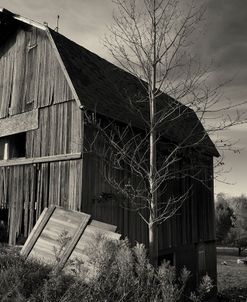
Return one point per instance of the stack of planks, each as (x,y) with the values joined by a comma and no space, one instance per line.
(61,235)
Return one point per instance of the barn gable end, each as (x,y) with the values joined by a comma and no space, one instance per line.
(30,74)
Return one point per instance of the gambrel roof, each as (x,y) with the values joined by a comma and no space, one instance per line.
(101,87)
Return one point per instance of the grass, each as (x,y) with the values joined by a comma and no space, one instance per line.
(232,277)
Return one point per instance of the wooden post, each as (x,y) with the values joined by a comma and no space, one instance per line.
(6,151)
(12,224)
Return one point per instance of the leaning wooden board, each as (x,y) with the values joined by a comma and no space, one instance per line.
(78,227)
(61,221)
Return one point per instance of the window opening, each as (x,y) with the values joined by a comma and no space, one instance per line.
(13,146)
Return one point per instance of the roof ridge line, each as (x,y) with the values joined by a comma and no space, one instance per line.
(23,19)
(30,22)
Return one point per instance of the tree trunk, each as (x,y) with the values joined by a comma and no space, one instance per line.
(153,244)
(153,229)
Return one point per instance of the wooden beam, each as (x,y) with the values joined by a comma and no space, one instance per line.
(36,160)
(36,231)
(19,123)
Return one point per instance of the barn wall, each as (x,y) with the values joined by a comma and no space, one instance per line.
(31,78)
(193,223)
(30,74)
(101,200)
(27,189)
(59,131)
(190,234)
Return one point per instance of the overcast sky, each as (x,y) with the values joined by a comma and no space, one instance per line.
(224,41)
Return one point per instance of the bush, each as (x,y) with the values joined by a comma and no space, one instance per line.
(19,279)
(114,272)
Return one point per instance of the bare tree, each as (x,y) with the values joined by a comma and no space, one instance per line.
(151,40)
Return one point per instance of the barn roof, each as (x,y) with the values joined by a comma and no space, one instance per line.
(104,88)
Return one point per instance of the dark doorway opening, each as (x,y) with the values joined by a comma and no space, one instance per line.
(4,225)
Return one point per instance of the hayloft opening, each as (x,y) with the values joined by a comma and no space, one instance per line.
(13,146)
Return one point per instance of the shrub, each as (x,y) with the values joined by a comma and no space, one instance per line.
(19,279)
(114,271)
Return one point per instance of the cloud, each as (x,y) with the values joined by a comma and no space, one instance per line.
(225,38)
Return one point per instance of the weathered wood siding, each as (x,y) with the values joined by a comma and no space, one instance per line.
(30,74)
(59,131)
(193,223)
(99,199)
(28,189)
(31,78)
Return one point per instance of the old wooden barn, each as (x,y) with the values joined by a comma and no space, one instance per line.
(45,82)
